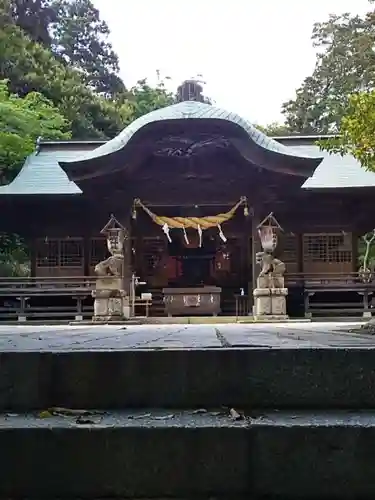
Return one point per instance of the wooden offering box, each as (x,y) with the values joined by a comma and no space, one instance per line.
(192,301)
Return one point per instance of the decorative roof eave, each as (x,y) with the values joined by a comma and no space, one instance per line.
(55,182)
(255,147)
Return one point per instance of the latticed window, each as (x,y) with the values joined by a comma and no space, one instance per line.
(47,254)
(71,253)
(327,248)
(59,253)
(153,251)
(289,248)
(98,251)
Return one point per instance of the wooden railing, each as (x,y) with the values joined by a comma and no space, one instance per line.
(334,294)
(51,298)
(69,298)
(329,280)
(44,284)
(87,283)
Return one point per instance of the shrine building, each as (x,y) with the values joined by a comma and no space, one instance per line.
(191,183)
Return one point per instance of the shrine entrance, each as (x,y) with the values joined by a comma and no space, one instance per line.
(196,256)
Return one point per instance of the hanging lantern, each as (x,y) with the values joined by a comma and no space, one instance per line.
(245,206)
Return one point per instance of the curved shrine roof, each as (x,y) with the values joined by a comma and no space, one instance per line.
(251,143)
(42,175)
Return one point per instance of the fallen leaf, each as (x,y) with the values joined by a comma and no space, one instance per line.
(235,415)
(136,417)
(45,414)
(82,420)
(70,412)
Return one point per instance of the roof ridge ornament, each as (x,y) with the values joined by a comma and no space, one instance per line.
(190,90)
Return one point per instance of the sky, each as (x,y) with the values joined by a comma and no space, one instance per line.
(252,54)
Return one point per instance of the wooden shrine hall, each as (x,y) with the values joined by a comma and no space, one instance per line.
(191,183)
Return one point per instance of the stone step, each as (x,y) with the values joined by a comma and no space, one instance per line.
(275,378)
(166,453)
(128,454)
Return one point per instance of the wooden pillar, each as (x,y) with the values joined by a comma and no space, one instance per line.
(248,254)
(86,254)
(299,237)
(127,249)
(354,242)
(32,244)
(255,247)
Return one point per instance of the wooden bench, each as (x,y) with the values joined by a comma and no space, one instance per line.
(323,308)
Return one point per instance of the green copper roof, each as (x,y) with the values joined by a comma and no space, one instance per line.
(42,174)
(190,110)
(335,171)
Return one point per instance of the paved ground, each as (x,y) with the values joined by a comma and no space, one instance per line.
(68,338)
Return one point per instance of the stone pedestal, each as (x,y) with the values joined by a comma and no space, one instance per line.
(111,301)
(270,298)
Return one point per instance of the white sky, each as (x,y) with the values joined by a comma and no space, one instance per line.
(253,54)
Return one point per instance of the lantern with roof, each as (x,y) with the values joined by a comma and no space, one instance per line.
(268,231)
(115,234)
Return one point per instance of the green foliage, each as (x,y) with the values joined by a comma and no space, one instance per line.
(274,129)
(366,252)
(74,32)
(80,38)
(14,258)
(34,17)
(345,65)
(357,131)
(22,121)
(142,98)
(30,67)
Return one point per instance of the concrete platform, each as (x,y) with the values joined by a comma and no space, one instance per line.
(64,338)
(251,367)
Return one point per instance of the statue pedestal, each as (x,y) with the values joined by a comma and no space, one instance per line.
(270,298)
(111,301)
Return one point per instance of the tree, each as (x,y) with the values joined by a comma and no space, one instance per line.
(29,67)
(80,38)
(22,121)
(142,98)
(274,129)
(34,18)
(74,32)
(357,130)
(345,64)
